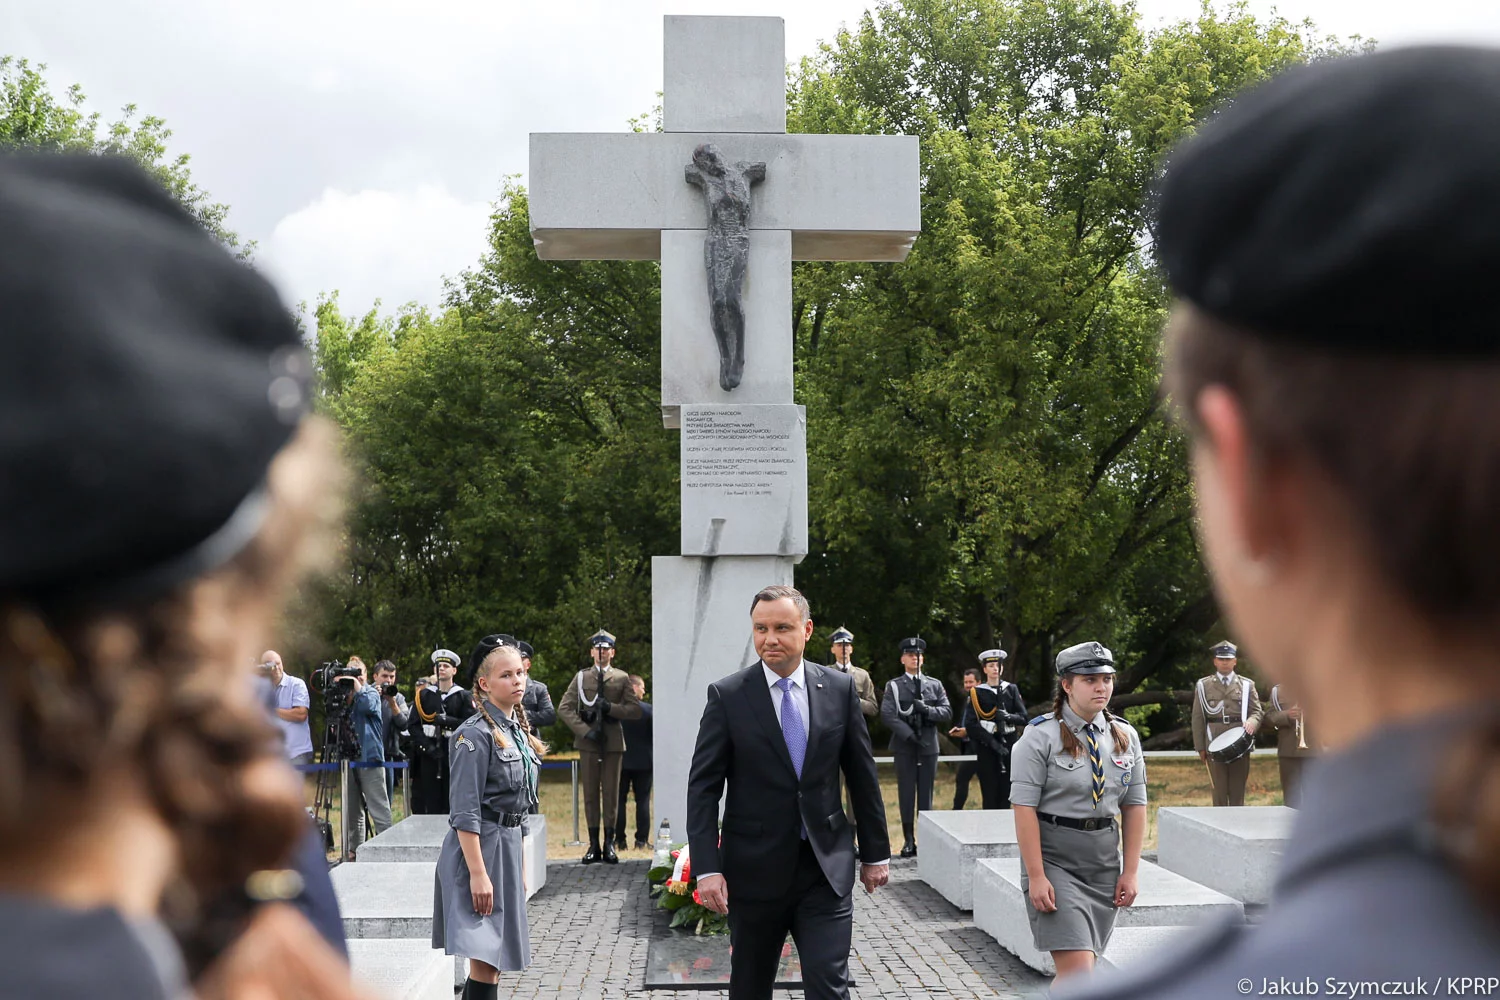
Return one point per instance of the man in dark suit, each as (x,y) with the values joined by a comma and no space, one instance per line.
(635,772)
(785,730)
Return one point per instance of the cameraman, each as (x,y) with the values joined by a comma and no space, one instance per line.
(366,784)
(395,715)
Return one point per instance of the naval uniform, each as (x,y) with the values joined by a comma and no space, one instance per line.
(912,709)
(1290,758)
(1219,704)
(490,790)
(993,718)
(1080,839)
(437,717)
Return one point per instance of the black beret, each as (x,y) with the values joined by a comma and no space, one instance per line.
(147,379)
(525,648)
(1351,205)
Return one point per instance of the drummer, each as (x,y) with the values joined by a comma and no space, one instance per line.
(1226,709)
(1077,775)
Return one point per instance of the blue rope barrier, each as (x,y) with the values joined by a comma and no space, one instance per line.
(392,764)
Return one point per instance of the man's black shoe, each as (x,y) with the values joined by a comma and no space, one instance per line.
(640,845)
(593,856)
(909,850)
(610,857)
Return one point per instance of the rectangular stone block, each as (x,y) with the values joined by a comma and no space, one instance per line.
(1234,849)
(409,969)
(1168,905)
(724,74)
(952,842)
(689,351)
(385,899)
(744,480)
(700,625)
(418,839)
(609,195)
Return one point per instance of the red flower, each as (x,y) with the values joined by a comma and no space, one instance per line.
(675,853)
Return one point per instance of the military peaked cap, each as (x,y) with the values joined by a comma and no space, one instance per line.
(841,635)
(914,645)
(1085,658)
(1224,650)
(445,656)
(1351,205)
(525,648)
(147,379)
(602,638)
(993,654)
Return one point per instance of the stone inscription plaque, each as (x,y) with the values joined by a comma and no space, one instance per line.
(744,480)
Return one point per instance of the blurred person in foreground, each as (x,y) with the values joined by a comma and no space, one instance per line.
(1332,238)
(146,811)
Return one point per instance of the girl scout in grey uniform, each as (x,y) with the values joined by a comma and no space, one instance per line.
(1072,771)
(480,907)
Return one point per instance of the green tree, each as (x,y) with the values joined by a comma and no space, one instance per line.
(33,117)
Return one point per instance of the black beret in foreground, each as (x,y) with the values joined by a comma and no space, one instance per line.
(147,379)
(1351,205)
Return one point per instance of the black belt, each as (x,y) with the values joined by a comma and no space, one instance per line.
(504,819)
(1107,823)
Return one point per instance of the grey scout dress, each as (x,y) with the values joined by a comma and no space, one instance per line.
(490,788)
(1082,865)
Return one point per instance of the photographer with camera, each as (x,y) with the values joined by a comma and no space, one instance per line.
(366,788)
(395,716)
(291,705)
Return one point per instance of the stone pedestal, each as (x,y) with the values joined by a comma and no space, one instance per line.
(1234,849)
(417,839)
(408,969)
(700,631)
(954,841)
(1168,906)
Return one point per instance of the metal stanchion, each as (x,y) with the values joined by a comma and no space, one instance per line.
(343,810)
(406,788)
(575,842)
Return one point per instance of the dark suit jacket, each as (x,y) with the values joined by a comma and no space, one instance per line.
(740,742)
(638,741)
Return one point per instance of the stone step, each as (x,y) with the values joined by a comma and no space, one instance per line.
(401,969)
(1234,849)
(420,838)
(1167,906)
(950,842)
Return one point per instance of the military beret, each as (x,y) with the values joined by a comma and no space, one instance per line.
(1351,205)
(1224,650)
(841,635)
(993,654)
(1085,658)
(147,379)
(525,648)
(602,639)
(445,656)
(914,645)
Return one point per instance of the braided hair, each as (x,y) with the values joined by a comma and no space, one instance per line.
(480,704)
(1070,743)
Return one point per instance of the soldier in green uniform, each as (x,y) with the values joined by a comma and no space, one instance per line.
(1293,747)
(1222,701)
(842,647)
(593,706)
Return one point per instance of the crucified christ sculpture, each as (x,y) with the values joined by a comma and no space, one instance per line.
(726,190)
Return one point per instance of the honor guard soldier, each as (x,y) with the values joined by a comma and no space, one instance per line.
(842,647)
(1226,705)
(538,700)
(440,708)
(1293,748)
(913,708)
(593,706)
(993,715)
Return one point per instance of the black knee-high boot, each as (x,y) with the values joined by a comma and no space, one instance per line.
(475,990)
(593,856)
(610,857)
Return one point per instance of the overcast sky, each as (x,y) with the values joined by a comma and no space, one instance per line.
(361,142)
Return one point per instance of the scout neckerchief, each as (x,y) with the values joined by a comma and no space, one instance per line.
(1096,762)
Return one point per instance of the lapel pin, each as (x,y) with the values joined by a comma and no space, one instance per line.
(820,687)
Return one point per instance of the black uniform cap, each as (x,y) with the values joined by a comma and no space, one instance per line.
(914,645)
(1350,205)
(147,379)
(525,648)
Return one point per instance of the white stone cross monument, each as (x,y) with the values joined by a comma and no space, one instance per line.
(623,196)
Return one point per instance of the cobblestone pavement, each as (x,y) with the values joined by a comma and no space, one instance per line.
(590,928)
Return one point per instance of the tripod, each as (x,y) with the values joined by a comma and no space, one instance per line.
(336,745)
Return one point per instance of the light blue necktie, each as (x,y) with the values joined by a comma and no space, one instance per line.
(792,729)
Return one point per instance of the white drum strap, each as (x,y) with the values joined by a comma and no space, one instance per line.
(1244,700)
